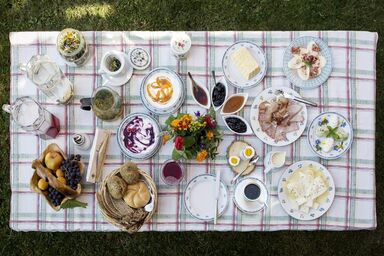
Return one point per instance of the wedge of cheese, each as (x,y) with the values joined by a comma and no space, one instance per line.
(245,63)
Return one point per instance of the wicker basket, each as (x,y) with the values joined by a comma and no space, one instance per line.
(153,190)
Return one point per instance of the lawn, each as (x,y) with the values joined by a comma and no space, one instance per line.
(26,15)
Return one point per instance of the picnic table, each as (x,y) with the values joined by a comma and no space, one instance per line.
(350,91)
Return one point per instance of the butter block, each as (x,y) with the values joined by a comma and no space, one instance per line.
(245,63)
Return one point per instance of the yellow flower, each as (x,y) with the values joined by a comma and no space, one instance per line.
(209,135)
(202,155)
(175,123)
(166,138)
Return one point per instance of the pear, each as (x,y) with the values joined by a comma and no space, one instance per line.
(53,160)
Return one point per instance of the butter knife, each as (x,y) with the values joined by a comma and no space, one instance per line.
(217,192)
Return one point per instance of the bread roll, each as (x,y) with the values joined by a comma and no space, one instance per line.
(137,195)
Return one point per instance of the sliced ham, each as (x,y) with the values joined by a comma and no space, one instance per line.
(277,129)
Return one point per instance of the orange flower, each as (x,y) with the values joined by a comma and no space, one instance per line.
(175,123)
(202,155)
(209,135)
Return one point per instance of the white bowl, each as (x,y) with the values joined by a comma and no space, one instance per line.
(223,82)
(245,95)
(199,83)
(247,132)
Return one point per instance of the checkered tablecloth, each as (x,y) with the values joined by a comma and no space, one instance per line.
(350,91)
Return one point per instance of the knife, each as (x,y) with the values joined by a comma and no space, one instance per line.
(217,192)
(301,100)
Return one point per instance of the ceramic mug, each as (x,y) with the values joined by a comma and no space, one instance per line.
(113,64)
(253,193)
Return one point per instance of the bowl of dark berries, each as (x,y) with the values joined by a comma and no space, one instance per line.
(58,177)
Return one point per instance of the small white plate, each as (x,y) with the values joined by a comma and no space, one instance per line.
(269,94)
(313,139)
(119,80)
(231,72)
(248,206)
(199,197)
(313,213)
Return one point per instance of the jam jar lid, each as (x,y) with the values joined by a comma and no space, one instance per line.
(139,58)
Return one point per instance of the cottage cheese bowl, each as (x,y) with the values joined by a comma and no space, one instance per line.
(138,136)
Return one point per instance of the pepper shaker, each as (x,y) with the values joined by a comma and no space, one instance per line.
(82,141)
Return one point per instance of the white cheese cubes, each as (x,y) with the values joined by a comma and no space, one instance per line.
(245,63)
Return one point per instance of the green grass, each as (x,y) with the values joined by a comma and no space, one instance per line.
(25,15)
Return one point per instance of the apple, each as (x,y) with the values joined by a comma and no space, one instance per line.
(53,160)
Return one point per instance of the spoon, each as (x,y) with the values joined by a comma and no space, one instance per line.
(214,77)
(253,161)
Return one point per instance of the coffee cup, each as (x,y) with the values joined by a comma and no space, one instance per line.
(113,64)
(253,193)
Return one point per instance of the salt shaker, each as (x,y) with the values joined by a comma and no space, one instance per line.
(82,141)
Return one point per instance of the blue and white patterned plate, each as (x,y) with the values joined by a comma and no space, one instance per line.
(313,213)
(176,81)
(292,74)
(199,197)
(152,150)
(269,94)
(340,147)
(232,74)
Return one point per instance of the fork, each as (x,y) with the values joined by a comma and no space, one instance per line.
(301,100)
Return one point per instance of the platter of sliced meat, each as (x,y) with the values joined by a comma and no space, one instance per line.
(277,120)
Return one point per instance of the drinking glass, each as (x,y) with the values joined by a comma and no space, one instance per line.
(72,47)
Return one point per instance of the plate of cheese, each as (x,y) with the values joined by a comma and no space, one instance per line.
(244,64)
(306,190)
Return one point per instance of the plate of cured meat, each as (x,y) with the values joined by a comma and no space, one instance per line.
(278,120)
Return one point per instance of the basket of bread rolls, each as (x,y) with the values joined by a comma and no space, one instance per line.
(127,197)
(57,177)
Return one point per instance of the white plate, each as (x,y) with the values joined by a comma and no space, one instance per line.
(123,78)
(199,197)
(177,98)
(154,148)
(231,72)
(268,94)
(292,74)
(313,213)
(313,139)
(247,206)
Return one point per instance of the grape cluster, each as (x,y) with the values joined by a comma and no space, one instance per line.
(55,196)
(71,169)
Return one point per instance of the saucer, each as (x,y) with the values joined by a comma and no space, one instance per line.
(121,79)
(248,206)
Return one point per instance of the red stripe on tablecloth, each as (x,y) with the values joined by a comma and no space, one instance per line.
(321,101)
(38,142)
(200,45)
(290,219)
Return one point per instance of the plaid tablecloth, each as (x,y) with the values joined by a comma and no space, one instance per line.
(350,91)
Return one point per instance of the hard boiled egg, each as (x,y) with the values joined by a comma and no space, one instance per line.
(326,144)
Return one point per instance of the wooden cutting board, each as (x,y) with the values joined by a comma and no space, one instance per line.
(234,150)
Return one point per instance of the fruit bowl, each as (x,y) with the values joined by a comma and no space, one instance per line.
(51,181)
